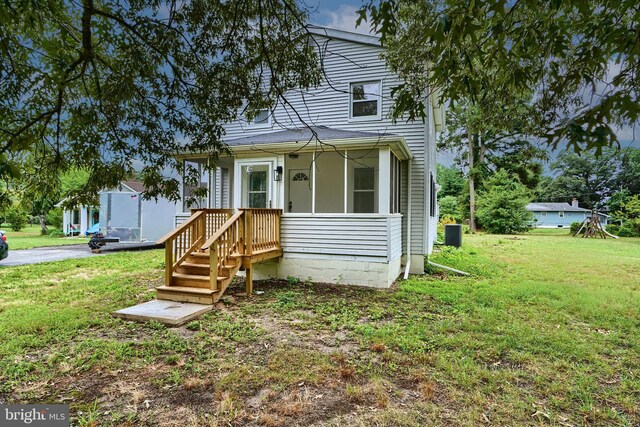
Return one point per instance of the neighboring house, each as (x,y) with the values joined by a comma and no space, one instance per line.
(77,221)
(357,191)
(561,215)
(122,213)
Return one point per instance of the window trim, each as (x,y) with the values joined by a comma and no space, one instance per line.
(267,124)
(378,116)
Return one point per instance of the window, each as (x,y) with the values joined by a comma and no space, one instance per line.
(543,213)
(364,190)
(258,189)
(395,193)
(262,118)
(561,214)
(432,201)
(365,100)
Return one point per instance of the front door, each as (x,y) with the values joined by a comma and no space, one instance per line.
(299,191)
(255,185)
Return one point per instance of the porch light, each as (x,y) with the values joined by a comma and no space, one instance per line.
(277,174)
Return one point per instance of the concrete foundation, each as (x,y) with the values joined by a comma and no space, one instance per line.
(329,270)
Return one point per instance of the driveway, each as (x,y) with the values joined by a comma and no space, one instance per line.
(59,253)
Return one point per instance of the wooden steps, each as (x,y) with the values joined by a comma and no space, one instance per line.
(191,282)
(186,294)
(221,237)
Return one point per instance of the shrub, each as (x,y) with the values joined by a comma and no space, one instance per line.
(56,233)
(575,226)
(448,207)
(17,217)
(502,205)
(612,228)
(444,220)
(54,218)
(630,228)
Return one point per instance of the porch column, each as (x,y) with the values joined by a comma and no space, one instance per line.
(313,183)
(384,179)
(83,219)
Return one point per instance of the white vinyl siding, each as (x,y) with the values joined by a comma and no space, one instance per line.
(347,62)
(359,237)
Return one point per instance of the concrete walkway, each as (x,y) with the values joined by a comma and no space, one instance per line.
(59,253)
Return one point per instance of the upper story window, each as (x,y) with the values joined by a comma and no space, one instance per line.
(365,100)
(262,118)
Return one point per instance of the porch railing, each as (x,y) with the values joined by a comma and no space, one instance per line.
(189,237)
(224,234)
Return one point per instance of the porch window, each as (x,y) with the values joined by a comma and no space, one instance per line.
(395,190)
(362,181)
(329,192)
(195,181)
(363,190)
(365,100)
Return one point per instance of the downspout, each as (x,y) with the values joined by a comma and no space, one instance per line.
(444,267)
(408,266)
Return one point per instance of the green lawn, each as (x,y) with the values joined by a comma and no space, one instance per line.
(545,332)
(30,237)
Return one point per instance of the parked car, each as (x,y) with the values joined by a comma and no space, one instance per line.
(4,246)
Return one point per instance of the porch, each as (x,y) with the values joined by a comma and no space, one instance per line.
(344,200)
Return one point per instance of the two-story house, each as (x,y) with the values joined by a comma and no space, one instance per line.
(348,199)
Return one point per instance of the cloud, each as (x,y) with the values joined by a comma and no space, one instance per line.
(343,18)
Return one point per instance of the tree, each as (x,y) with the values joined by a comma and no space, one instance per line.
(100,85)
(629,177)
(578,57)
(487,137)
(502,205)
(451,181)
(589,178)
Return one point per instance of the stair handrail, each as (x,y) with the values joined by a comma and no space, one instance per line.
(222,230)
(182,241)
(173,233)
(226,240)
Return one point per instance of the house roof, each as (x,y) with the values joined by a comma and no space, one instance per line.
(310,138)
(304,135)
(333,33)
(135,185)
(554,207)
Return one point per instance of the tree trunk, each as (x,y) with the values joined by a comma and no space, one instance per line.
(472,187)
(43,224)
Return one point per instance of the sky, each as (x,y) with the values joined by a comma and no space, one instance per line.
(341,14)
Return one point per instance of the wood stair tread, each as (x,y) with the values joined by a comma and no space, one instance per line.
(186,289)
(196,277)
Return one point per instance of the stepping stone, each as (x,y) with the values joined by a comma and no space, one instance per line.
(168,312)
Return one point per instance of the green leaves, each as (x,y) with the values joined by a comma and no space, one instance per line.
(137,83)
(577,59)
